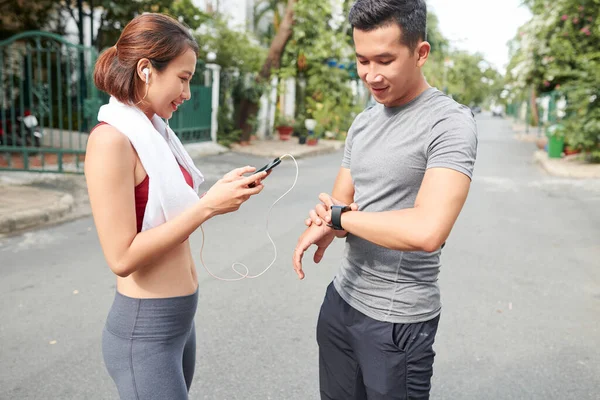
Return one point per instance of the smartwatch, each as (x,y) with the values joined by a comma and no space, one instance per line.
(336,216)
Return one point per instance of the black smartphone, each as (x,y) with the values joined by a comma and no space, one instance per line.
(267,168)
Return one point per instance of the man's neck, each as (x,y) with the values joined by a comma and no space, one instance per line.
(411,94)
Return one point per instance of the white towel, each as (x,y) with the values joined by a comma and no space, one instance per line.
(161,154)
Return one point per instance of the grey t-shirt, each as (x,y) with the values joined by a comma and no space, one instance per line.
(387,152)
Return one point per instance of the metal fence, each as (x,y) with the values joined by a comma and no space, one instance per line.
(48,104)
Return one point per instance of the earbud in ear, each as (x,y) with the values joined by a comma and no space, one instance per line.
(146,72)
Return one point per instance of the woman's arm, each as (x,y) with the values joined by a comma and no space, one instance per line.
(109,170)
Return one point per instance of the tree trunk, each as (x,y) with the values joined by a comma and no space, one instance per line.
(249,109)
(535,118)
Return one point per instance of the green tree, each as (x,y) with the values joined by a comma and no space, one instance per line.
(320,56)
(559,50)
(25,15)
(470,80)
(249,107)
(269,14)
(240,57)
(116,14)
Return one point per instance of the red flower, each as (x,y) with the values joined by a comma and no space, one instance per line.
(565,17)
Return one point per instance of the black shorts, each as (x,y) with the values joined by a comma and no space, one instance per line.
(362,358)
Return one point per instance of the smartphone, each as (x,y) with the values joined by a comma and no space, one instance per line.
(267,168)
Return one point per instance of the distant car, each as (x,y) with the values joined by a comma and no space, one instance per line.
(476,109)
(497,111)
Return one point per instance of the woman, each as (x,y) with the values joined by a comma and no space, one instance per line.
(142,188)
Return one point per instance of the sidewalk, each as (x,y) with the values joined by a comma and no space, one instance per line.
(565,167)
(30,199)
(275,148)
(526,134)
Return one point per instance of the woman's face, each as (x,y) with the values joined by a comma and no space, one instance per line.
(168,89)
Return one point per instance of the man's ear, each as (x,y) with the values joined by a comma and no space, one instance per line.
(422,52)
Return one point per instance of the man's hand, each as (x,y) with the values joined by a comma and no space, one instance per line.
(322,212)
(322,236)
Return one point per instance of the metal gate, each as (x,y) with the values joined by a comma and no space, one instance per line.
(48,102)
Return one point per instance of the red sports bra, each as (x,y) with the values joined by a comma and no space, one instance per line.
(141,191)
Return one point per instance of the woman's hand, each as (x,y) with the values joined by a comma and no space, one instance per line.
(232,190)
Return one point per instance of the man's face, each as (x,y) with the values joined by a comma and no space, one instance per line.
(388,67)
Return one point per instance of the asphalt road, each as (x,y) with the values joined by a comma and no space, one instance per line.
(520,289)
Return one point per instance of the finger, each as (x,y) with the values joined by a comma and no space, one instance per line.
(297,261)
(314,217)
(254,190)
(253,178)
(323,213)
(244,170)
(319,254)
(354,207)
(308,222)
(238,172)
(326,199)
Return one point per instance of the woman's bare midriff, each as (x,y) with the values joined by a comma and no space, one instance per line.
(170,275)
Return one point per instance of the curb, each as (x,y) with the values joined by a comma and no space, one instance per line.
(308,151)
(27,219)
(198,150)
(74,204)
(566,168)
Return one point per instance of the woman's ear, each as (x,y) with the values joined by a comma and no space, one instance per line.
(144,70)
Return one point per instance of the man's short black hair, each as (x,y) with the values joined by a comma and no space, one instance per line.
(410,15)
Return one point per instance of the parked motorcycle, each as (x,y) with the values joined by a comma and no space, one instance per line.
(26,131)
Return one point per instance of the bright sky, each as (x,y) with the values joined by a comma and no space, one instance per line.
(483,26)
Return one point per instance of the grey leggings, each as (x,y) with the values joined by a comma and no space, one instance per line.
(149,346)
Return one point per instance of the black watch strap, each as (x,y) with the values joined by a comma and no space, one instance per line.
(336,216)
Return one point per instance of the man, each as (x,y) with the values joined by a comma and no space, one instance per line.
(407,164)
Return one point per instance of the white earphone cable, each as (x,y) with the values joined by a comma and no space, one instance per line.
(233,266)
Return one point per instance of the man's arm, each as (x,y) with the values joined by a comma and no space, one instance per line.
(426,226)
(343,188)
(451,154)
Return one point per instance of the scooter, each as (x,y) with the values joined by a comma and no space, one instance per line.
(29,136)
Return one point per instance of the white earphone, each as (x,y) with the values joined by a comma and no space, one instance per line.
(146,72)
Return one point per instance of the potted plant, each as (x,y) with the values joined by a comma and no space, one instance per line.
(300,130)
(285,127)
(314,132)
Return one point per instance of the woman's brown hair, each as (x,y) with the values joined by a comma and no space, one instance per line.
(157,37)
